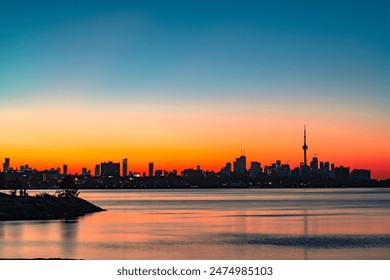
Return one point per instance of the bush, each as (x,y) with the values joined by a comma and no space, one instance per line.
(44,194)
(67,193)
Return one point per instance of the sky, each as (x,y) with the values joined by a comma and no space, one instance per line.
(187,83)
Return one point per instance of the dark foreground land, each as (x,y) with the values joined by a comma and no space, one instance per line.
(43,208)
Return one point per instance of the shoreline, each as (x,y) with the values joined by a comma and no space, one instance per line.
(15,208)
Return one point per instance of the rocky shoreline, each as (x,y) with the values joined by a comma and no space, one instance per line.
(43,208)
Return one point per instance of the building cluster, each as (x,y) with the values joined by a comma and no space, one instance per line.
(236,171)
(316,169)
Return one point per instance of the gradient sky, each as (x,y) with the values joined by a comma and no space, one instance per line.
(183,83)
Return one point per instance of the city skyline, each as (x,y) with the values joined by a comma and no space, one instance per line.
(193,83)
(238,166)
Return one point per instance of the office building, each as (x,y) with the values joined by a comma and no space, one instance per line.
(360,175)
(239,166)
(255,169)
(84,172)
(6,164)
(124,167)
(227,170)
(314,165)
(151,169)
(109,169)
(97,170)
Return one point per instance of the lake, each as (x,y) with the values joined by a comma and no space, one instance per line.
(212,224)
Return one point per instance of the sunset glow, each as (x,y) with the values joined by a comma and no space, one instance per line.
(87,85)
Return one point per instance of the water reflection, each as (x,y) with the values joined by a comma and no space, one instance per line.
(213,224)
(69,232)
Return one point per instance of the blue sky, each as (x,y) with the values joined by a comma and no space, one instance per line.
(200,78)
(191,49)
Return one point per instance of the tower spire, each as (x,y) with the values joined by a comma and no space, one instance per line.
(304,147)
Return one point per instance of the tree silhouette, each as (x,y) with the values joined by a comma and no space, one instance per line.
(68,187)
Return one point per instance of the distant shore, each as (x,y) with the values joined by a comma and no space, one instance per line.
(43,208)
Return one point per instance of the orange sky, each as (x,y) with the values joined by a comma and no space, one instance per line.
(78,134)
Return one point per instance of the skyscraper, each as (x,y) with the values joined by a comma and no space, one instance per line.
(314,165)
(239,166)
(151,167)
(124,167)
(84,171)
(255,169)
(97,170)
(6,164)
(65,169)
(304,147)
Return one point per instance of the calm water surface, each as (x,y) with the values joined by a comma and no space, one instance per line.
(213,224)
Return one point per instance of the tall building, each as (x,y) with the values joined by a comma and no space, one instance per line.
(6,164)
(255,169)
(124,167)
(151,169)
(239,166)
(284,170)
(97,170)
(227,170)
(324,169)
(65,169)
(84,171)
(304,147)
(314,165)
(109,169)
(341,173)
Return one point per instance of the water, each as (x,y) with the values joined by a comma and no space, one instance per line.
(213,224)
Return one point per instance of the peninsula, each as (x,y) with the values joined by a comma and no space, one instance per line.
(43,208)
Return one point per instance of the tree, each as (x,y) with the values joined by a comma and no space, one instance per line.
(68,187)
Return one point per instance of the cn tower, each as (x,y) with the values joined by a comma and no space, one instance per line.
(304,147)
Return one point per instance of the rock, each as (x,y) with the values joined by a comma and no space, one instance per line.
(43,208)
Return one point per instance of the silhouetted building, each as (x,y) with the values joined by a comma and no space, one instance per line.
(332,172)
(239,166)
(97,170)
(305,170)
(158,173)
(255,169)
(277,169)
(151,169)
(324,169)
(84,171)
(6,164)
(124,167)
(360,175)
(284,171)
(268,170)
(65,170)
(109,169)
(227,170)
(314,165)
(192,172)
(341,173)
(296,172)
